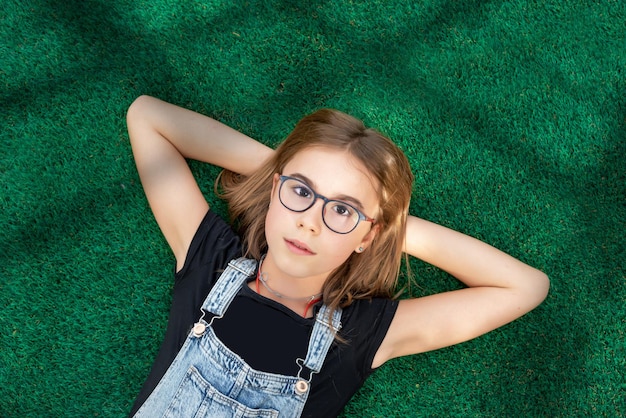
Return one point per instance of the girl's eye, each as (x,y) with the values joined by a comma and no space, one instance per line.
(343,210)
(302,191)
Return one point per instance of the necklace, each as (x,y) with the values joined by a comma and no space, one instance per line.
(262,277)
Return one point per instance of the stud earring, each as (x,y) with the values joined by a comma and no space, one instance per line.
(361,249)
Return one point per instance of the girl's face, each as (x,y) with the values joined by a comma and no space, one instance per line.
(300,244)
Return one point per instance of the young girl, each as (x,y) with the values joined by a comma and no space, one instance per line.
(295,327)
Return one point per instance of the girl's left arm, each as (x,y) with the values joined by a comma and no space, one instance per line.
(499,289)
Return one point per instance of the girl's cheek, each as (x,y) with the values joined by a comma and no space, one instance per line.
(345,247)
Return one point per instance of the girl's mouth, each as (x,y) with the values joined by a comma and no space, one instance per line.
(298,247)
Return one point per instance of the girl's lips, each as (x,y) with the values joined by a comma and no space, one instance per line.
(298,247)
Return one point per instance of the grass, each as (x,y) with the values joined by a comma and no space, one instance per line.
(513,116)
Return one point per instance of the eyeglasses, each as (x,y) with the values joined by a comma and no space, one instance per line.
(338,216)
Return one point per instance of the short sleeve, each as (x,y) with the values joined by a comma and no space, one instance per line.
(366,328)
(213,245)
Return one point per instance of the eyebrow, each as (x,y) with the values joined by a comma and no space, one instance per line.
(343,197)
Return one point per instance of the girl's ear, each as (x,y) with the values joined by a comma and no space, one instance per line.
(367,239)
(275,181)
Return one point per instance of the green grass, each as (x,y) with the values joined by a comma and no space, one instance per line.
(512,114)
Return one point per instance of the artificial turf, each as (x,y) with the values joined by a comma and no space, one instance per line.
(512,114)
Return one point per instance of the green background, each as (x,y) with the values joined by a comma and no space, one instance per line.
(512,114)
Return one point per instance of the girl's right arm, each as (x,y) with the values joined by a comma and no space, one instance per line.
(162,137)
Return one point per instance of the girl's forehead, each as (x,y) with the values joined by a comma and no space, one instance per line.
(333,172)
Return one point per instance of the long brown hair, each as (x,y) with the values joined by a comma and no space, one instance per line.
(362,276)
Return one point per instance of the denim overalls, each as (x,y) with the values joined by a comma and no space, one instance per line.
(206,379)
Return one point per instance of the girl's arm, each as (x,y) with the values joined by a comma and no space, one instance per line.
(500,289)
(162,137)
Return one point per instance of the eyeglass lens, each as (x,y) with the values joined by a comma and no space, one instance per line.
(339,216)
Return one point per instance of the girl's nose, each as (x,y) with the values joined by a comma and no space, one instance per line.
(311,218)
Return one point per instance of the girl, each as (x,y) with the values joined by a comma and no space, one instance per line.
(295,327)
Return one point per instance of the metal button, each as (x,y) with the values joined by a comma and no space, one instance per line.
(198,329)
(302,386)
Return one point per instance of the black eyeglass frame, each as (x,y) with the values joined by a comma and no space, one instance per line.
(362,216)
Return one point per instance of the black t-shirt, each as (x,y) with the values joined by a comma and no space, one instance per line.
(267,335)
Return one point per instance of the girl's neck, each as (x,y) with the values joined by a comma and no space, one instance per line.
(296,293)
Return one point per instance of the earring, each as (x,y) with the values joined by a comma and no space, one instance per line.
(361,249)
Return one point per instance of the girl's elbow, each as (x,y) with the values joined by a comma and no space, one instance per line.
(540,287)
(136,108)
(546,285)
(139,117)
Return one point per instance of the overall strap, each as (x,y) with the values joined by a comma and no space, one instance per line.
(324,329)
(322,337)
(227,286)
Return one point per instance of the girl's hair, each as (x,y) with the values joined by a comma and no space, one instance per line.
(365,275)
